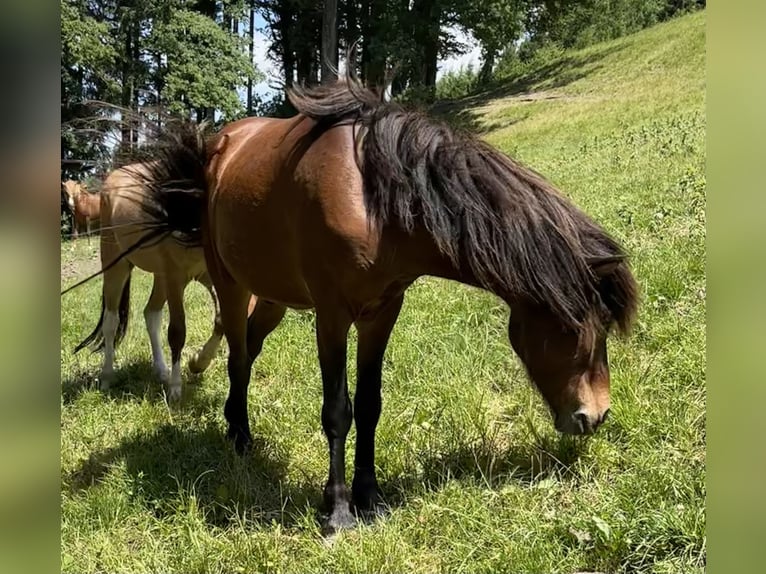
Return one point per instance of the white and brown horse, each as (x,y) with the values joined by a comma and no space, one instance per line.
(173,265)
(85,207)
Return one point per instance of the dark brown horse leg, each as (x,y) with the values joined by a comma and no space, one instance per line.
(373,339)
(265,318)
(175,286)
(332,330)
(233,300)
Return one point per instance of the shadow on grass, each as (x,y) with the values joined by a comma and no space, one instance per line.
(531,87)
(524,465)
(171,465)
(134,380)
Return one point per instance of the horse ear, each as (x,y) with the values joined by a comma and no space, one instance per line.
(604,266)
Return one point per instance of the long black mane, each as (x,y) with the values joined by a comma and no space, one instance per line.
(514,230)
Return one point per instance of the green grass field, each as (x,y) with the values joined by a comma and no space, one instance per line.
(478,479)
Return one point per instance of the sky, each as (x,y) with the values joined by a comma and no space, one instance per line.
(261,46)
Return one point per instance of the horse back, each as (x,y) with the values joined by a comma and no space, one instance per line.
(287,217)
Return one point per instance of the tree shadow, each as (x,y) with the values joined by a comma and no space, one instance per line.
(531,87)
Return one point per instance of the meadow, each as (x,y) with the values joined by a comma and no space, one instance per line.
(477,477)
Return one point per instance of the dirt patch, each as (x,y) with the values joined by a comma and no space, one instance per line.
(76,269)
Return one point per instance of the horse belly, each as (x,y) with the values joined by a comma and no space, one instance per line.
(258,249)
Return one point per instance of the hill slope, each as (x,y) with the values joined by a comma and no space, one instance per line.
(477,477)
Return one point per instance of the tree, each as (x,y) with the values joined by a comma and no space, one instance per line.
(203,64)
(87,73)
(329,53)
(497,25)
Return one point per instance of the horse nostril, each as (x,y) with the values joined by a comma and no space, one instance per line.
(604,416)
(582,420)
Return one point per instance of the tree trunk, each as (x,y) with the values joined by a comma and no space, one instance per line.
(307,36)
(285,27)
(352,25)
(485,74)
(427,39)
(373,56)
(251,45)
(126,99)
(136,56)
(329,52)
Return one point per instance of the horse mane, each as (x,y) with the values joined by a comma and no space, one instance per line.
(515,232)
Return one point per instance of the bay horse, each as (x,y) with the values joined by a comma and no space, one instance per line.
(173,265)
(341,209)
(85,207)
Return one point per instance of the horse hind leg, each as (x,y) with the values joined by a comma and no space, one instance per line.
(116,291)
(153,319)
(204,356)
(175,285)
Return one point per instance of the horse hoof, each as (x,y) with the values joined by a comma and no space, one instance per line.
(105,380)
(340,519)
(174,393)
(163,374)
(195,367)
(241,438)
(367,498)
(372,510)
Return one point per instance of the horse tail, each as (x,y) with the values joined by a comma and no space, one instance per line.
(124,313)
(96,339)
(176,180)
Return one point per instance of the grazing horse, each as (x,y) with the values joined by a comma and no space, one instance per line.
(341,209)
(85,207)
(173,265)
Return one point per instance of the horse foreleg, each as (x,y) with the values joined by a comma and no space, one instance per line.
(202,359)
(153,319)
(332,331)
(175,286)
(373,337)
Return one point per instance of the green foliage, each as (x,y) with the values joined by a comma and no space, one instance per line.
(204,64)
(527,58)
(88,58)
(457,84)
(497,25)
(579,23)
(149,58)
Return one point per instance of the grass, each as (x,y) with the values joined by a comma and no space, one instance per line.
(478,479)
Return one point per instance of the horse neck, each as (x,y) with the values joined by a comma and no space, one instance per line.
(425,258)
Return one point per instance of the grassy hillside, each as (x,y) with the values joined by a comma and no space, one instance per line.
(478,479)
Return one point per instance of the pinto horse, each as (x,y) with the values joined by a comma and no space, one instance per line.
(173,265)
(341,209)
(85,207)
